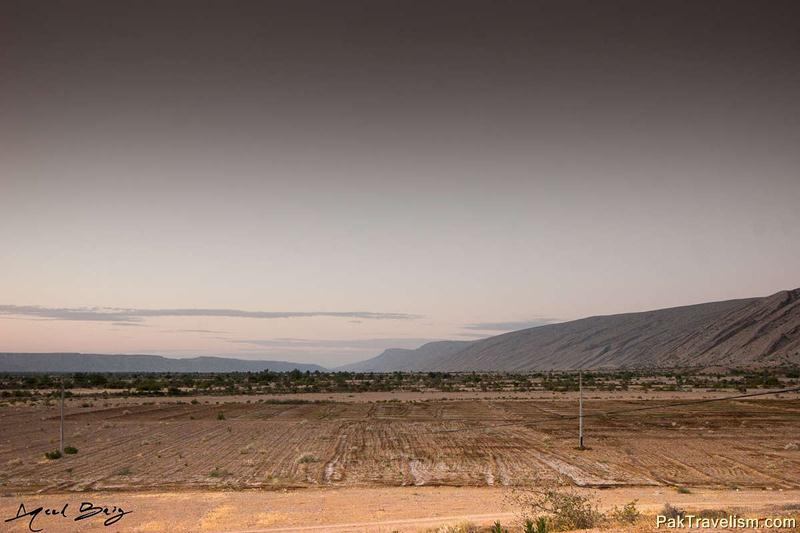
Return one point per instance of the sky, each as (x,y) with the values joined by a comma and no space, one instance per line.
(317,181)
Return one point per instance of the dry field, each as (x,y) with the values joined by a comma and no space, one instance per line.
(166,445)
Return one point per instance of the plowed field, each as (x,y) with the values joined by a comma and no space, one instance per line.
(169,445)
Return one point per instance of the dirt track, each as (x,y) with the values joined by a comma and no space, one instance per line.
(351,510)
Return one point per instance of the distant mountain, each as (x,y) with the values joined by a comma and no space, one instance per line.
(747,332)
(79,362)
(406,360)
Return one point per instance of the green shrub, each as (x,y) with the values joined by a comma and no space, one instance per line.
(539,527)
(70,450)
(497,528)
(55,454)
(220,416)
(683,490)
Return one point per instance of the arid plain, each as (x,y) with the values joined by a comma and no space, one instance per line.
(300,453)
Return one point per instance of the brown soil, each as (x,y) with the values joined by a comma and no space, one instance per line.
(354,509)
(364,462)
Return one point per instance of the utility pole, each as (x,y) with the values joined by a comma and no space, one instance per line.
(580,409)
(61,440)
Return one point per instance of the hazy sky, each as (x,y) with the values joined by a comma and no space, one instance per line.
(317,181)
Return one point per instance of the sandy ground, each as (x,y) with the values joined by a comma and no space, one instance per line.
(378,509)
(364,466)
(238,445)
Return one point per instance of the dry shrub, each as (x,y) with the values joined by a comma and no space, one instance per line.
(307,458)
(218,473)
(713,513)
(629,514)
(670,511)
(562,505)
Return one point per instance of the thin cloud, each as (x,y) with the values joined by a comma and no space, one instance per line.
(209,331)
(335,344)
(127,315)
(511,326)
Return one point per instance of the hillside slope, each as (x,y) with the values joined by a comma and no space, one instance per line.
(752,331)
(406,360)
(755,331)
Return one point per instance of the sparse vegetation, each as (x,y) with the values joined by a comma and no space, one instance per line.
(559,504)
(713,513)
(307,458)
(627,515)
(218,473)
(671,511)
(498,528)
(55,454)
(28,386)
(540,526)
(333,440)
(70,450)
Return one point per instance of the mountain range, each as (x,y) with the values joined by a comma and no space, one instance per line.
(734,333)
(81,362)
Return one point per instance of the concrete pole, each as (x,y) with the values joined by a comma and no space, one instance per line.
(61,439)
(580,409)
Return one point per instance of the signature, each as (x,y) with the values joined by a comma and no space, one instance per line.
(86,510)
